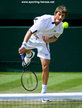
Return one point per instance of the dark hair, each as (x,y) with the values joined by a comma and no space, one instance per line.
(62,9)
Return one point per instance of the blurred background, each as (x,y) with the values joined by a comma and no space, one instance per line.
(16,16)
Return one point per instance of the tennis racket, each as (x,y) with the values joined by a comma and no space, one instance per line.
(29,79)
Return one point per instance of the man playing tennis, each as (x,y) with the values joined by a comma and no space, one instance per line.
(46,29)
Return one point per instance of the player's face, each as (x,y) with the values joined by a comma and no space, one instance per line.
(58,17)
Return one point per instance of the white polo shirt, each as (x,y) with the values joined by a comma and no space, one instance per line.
(45,26)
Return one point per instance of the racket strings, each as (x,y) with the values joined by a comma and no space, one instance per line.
(29,81)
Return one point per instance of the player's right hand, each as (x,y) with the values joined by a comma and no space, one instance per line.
(21,50)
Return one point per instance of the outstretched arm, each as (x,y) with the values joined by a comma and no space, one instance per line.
(22,49)
(27,36)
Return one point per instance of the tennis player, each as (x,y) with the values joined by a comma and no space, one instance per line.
(46,29)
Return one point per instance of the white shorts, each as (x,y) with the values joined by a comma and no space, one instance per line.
(42,48)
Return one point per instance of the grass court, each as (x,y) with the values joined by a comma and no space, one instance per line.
(58,82)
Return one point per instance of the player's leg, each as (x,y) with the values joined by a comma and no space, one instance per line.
(44,54)
(45,74)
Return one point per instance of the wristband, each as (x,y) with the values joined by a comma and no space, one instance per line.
(24,44)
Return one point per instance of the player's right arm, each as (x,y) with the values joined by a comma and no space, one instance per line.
(27,36)
(22,49)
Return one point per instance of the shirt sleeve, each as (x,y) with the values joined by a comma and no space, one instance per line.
(40,25)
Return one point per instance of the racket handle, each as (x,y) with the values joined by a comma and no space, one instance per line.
(23,62)
(22,57)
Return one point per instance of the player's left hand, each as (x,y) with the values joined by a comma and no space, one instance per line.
(45,39)
(49,40)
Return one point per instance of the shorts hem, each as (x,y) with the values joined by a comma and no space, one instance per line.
(43,57)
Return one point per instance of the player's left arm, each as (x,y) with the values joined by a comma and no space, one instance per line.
(49,40)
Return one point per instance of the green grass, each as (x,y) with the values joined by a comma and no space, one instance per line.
(58,82)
